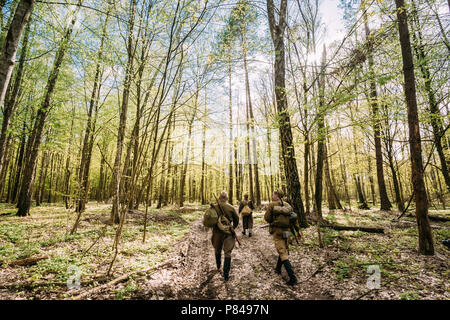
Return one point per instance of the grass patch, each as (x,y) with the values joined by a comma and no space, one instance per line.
(443,234)
(410,295)
(45,231)
(12,232)
(342,270)
(57,266)
(329,235)
(130,288)
(59,239)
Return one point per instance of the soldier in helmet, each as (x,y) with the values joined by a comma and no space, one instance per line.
(222,239)
(277,215)
(246,208)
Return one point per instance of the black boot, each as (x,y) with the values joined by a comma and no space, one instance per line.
(218,261)
(243,232)
(249,233)
(226,268)
(278,267)
(292,277)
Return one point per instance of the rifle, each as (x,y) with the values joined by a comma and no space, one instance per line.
(233,233)
(297,236)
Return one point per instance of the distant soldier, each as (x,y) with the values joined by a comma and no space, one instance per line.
(246,208)
(278,214)
(222,239)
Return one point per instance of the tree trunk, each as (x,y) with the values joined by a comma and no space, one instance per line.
(287,147)
(12,172)
(237,168)
(230,165)
(361,199)
(384,200)
(249,161)
(426,245)
(333,198)
(67,171)
(188,149)
(163,169)
(398,197)
(20,160)
(321,132)
(306,174)
(203,182)
(86,153)
(123,117)
(372,185)
(10,102)
(4,170)
(436,117)
(344,171)
(253,157)
(24,200)
(49,196)
(11,43)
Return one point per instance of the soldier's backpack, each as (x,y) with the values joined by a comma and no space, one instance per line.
(246,211)
(210,218)
(224,224)
(281,215)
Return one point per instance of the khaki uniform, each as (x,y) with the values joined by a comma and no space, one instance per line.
(220,240)
(247,221)
(280,244)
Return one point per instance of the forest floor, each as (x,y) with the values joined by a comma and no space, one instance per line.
(179,263)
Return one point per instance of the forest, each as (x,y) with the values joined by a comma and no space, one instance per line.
(121,121)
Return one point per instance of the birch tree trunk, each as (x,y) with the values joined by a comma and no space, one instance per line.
(9,49)
(7,62)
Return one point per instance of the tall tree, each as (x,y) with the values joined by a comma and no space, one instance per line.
(435,114)
(88,140)
(287,148)
(13,93)
(34,141)
(230,156)
(321,131)
(131,51)
(426,245)
(384,200)
(8,60)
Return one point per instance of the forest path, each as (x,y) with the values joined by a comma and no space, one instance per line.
(194,275)
(337,271)
(168,266)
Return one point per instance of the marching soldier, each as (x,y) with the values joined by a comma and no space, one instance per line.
(246,208)
(222,238)
(277,215)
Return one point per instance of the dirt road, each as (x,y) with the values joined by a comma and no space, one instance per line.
(194,274)
(187,269)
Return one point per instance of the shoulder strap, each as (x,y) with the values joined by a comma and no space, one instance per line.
(222,211)
(216,207)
